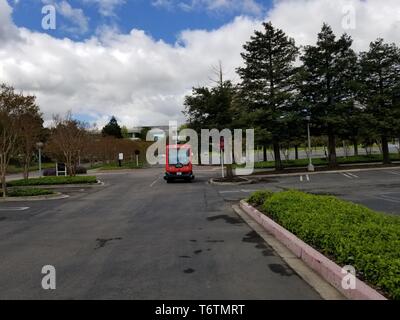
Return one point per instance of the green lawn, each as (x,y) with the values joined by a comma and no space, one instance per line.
(12,169)
(323,161)
(53,181)
(115,166)
(348,233)
(27,192)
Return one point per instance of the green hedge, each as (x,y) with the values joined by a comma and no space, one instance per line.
(27,192)
(53,181)
(350,234)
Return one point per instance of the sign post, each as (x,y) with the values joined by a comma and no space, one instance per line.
(137,152)
(222,149)
(120,158)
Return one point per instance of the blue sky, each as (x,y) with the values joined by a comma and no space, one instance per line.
(162,19)
(94,66)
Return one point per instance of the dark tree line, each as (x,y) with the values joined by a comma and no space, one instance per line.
(348,96)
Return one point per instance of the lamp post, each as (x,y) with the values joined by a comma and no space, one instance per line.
(311,167)
(39,145)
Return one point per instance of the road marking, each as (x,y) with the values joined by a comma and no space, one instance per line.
(230,191)
(307,177)
(14,209)
(395,173)
(387,198)
(155,181)
(353,175)
(247,190)
(346,175)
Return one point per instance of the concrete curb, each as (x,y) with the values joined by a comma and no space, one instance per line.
(56,196)
(216,183)
(326,268)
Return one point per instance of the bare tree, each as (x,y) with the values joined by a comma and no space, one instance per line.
(67,141)
(12,106)
(30,132)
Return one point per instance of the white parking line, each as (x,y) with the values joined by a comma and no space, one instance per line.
(395,173)
(353,175)
(346,175)
(155,181)
(307,177)
(388,198)
(14,209)
(231,191)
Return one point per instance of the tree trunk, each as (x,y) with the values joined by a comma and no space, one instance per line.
(355,144)
(332,151)
(3,184)
(277,155)
(385,150)
(229,171)
(296,151)
(265,157)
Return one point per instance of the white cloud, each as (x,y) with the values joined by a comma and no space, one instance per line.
(237,6)
(143,81)
(106,7)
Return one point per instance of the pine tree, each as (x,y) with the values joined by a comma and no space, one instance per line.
(380,91)
(112,129)
(267,85)
(327,86)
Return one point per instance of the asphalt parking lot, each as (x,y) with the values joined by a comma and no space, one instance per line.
(141,238)
(376,189)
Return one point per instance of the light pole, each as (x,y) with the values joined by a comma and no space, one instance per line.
(39,145)
(310,164)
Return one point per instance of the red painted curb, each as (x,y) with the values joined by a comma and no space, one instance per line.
(325,267)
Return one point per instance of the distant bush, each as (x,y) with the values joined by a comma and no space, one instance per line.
(349,233)
(81,170)
(49,172)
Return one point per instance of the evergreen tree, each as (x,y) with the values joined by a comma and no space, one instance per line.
(328,85)
(267,86)
(380,90)
(112,129)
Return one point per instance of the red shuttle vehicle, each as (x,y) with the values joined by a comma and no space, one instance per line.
(179,163)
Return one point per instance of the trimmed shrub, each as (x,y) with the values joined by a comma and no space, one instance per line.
(259,197)
(53,181)
(348,233)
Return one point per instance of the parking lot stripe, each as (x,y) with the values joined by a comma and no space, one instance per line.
(308,177)
(353,175)
(347,176)
(387,198)
(14,209)
(301,178)
(395,173)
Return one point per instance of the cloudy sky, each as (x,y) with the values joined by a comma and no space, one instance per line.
(137,59)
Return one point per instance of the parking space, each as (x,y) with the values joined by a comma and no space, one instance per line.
(376,189)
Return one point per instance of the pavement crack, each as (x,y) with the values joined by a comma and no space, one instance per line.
(101,243)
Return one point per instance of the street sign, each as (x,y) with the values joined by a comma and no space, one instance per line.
(121,156)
